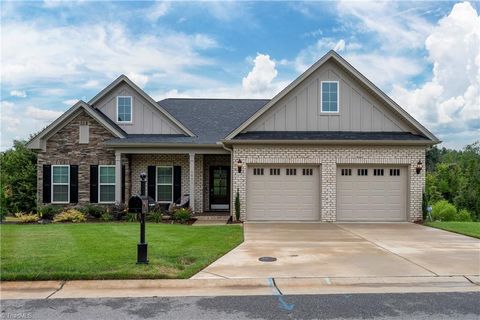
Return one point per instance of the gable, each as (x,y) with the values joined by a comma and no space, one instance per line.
(146,117)
(359,110)
(366,106)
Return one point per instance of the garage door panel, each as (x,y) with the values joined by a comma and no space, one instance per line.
(283,197)
(370,197)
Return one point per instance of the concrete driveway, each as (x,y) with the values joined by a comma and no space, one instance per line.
(347,250)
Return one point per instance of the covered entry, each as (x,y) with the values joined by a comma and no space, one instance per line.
(371,193)
(281,192)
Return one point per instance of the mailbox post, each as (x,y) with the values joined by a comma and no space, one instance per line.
(139,205)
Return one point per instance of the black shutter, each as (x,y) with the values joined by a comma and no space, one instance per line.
(73,183)
(152,172)
(123,184)
(47,183)
(177,183)
(93,184)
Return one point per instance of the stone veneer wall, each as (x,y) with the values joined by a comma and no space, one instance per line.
(140,162)
(211,160)
(64,148)
(328,157)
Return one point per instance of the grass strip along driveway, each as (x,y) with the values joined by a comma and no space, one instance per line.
(471,229)
(109,250)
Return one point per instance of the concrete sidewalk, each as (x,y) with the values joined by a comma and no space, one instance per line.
(233,287)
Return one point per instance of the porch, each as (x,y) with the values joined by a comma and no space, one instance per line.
(204,175)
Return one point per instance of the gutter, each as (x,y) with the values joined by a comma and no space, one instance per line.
(331,142)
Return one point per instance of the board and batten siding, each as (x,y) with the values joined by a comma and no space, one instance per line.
(300,109)
(146,118)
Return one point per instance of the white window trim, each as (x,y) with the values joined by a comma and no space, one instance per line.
(162,184)
(338,96)
(60,184)
(131,109)
(100,184)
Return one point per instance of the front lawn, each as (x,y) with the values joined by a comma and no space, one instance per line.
(109,250)
(471,229)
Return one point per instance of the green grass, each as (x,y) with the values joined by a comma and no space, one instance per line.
(109,250)
(471,229)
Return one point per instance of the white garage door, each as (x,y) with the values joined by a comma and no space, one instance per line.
(371,193)
(276,192)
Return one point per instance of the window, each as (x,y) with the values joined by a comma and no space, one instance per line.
(378,172)
(106,184)
(291,172)
(346,172)
(329,96)
(394,172)
(258,171)
(362,172)
(124,109)
(274,172)
(165,184)
(308,172)
(61,184)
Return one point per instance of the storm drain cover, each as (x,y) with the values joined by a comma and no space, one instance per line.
(267,259)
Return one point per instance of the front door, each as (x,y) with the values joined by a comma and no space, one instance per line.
(219,188)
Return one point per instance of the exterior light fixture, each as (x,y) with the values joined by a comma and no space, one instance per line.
(419,167)
(239,165)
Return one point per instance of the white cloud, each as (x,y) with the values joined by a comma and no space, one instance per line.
(340,46)
(18,93)
(139,79)
(312,53)
(70,102)
(50,4)
(91,84)
(157,10)
(259,80)
(42,114)
(450,101)
(9,117)
(27,57)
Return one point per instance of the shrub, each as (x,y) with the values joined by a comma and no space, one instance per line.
(2,215)
(463,215)
(117,211)
(93,211)
(27,217)
(182,215)
(70,215)
(106,216)
(131,217)
(48,212)
(155,216)
(237,206)
(443,211)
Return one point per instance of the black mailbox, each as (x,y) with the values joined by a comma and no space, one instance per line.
(135,204)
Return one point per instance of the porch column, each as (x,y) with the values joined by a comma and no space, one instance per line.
(118,177)
(192,180)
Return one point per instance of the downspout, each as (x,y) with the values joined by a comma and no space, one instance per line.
(231,178)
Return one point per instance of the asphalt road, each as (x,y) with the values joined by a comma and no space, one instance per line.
(350,306)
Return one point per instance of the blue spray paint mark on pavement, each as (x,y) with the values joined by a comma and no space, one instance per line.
(281,302)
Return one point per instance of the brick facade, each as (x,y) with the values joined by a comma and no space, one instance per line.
(140,162)
(64,148)
(327,157)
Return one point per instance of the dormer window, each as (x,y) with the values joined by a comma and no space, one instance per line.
(124,109)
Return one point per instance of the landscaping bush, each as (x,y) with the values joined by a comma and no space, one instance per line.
(27,217)
(155,216)
(463,215)
(48,212)
(443,211)
(131,217)
(70,215)
(237,206)
(106,216)
(117,211)
(182,215)
(93,211)
(2,215)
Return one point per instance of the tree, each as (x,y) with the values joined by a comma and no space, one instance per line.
(18,179)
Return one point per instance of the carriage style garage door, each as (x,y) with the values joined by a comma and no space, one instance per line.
(371,193)
(283,193)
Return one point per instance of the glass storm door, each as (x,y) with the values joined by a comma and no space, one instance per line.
(219,188)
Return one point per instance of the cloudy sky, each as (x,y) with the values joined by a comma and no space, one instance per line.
(425,55)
